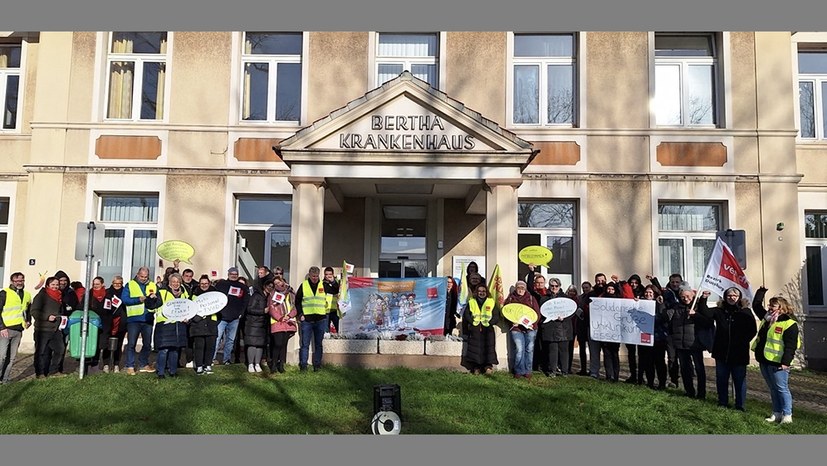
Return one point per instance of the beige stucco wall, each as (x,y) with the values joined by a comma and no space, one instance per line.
(338,71)
(82,81)
(811,163)
(344,235)
(206,149)
(742,68)
(463,235)
(617,86)
(475,71)
(195,213)
(18,258)
(30,83)
(200,71)
(618,154)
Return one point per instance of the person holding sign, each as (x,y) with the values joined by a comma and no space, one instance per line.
(734,329)
(117,310)
(282,323)
(682,320)
(140,297)
(482,315)
(256,330)
(170,335)
(523,329)
(778,339)
(556,335)
(204,331)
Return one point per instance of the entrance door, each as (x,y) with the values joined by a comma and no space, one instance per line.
(403,268)
(403,246)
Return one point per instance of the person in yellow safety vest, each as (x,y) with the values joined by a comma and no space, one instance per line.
(14,318)
(331,289)
(139,296)
(311,308)
(775,346)
(170,336)
(482,314)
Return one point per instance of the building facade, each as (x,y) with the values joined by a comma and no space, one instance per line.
(623,152)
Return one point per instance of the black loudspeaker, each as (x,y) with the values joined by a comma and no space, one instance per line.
(387,398)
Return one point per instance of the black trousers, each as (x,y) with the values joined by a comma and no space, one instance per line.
(558,355)
(611,360)
(278,349)
(51,349)
(203,349)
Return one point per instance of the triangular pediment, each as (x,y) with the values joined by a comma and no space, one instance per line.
(404,115)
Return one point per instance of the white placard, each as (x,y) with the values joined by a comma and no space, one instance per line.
(210,302)
(622,321)
(179,309)
(557,307)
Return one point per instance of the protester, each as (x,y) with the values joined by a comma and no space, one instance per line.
(522,336)
(778,339)
(282,323)
(331,290)
(581,327)
(556,335)
(118,326)
(595,346)
(47,309)
(170,335)
(256,328)
(683,318)
(670,299)
(611,350)
(312,315)
(451,298)
(203,330)
(541,294)
(656,364)
(98,304)
(141,299)
(635,290)
(14,319)
(482,315)
(237,295)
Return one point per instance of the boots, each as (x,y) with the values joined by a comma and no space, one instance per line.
(776,417)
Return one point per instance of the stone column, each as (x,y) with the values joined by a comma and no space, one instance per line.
(501,245)
(306,236)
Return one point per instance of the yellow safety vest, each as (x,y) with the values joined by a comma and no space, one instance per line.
(166,295)
(774,347)
(15,308)
(314,303)
(481,316)
(134,292)
(287,305)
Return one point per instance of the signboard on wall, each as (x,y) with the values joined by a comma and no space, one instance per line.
(460,263)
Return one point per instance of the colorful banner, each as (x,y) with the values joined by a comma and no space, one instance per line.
(723,272)
(622,321)
(395,305)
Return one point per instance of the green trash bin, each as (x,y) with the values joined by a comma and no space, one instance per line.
(75,333)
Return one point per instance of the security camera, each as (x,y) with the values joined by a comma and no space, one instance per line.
(779,226)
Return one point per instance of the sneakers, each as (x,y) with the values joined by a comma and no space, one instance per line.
(106,368)
(489,370)
(251,368)
(671,385)
(775,417)
(199,371)
(190,364)
(208,370)
(257,368)
(116,370)
(146,368)
(280,367)
(130,371)
(786,419)
(227,363)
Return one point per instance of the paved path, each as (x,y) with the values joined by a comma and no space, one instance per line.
(809,388)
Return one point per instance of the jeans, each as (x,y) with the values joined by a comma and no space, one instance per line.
(229,338)
(778,383)
(689,358)
(133,329)
(316,331)
(523,351)
(8,346)
(739,379)
(167,357)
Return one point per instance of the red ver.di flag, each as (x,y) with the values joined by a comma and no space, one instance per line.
(723,271)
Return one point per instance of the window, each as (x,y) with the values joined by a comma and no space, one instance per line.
(272,80)
(131,235)
(815,243)
(553,225)
(4,233)
(263,233)
(9,84)
(416,53)
(544,79)
(686,79)
(137,64)
(686,238)
(812,93)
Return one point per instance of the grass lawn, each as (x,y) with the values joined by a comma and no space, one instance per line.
(339,400)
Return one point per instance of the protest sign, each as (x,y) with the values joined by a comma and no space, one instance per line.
(210,302)
(622,320)
(556,308)
(179,309)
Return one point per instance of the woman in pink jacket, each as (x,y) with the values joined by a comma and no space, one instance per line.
(282,323)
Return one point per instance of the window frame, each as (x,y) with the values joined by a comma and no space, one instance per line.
(272,60)
(407,61)
(819,82)
(129,228)
(543,62)
(138,75)
(720,83)
(688,237)
(822,244)
(572,232)
(267,229)
(4,74)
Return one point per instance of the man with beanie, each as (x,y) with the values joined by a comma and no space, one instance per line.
(237,296)
(14,318)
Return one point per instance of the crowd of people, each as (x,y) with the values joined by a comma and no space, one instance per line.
(685,326)
(267,312)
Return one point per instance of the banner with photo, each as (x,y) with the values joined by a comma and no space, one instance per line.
(622,321)
(394,305)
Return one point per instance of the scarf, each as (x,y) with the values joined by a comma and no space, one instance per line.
(99,294)
(772,317)
(57,295)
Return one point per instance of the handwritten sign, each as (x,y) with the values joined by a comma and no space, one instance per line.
(557,308)
(179,309)
(537,255)
(210,302)
(174,249)
(622,321)
(515,312)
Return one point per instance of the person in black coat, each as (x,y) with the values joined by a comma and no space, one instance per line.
(256,322)
(204,331)
(734,329)
(451,299)
(482,314)
(682,320)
